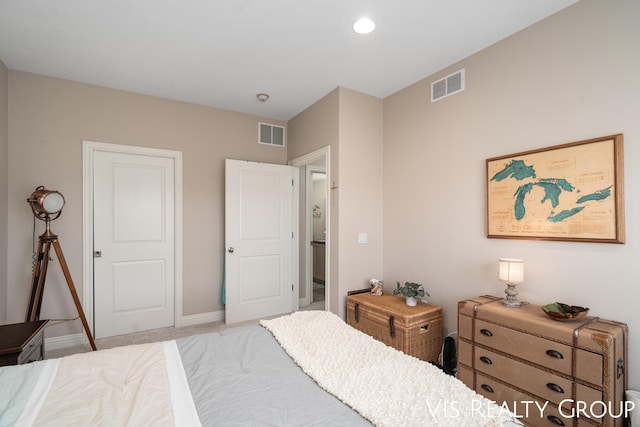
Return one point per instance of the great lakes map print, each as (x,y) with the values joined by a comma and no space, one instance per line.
(553,189)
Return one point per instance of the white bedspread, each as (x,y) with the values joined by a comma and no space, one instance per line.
(384,385)
(139,385)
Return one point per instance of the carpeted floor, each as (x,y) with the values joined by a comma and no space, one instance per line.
(156,335)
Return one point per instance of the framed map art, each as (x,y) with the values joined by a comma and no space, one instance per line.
(570,192)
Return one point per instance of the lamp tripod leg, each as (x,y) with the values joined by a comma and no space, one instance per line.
(37,281)
(74,294)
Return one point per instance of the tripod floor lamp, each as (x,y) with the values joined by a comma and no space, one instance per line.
(47,206)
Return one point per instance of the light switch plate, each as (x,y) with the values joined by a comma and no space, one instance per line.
(362,238)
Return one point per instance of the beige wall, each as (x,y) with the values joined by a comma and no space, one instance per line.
(49,118)
(570,77)
(359,191)
(4,165)
(351,124)
(314,128)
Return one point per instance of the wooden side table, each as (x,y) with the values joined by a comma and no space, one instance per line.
(22,343)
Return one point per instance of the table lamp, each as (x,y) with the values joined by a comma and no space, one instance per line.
(511,271)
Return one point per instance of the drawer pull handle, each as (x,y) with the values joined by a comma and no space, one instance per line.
(555,354)
(555,387)
(486,332)
(357,312)
(487,388)
(486,360)
(619,368)
(555,420)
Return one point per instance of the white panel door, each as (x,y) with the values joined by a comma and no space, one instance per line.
(259,240)
(134,243)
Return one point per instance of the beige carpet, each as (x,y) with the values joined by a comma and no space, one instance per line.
(156,335)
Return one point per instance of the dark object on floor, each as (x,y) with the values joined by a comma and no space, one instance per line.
(449,356)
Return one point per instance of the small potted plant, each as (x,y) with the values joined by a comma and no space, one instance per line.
(413,292)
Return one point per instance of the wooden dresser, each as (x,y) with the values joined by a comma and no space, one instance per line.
(22,343)
(567,371)
(416,331)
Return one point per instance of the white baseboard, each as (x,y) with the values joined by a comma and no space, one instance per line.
(197,319)
(64,341)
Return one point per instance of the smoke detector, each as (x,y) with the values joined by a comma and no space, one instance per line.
(262,97)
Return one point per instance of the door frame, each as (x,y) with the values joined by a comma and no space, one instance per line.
(309,229)
(88,150)
(305,160)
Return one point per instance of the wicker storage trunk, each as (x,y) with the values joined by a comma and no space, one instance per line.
(416,331)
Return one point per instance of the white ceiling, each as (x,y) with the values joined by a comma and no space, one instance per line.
(221,53)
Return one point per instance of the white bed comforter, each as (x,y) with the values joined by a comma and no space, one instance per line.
(116,387)
(384,385)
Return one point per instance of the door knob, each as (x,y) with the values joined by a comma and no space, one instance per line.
(230,250)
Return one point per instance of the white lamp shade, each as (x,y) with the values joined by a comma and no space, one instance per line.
(511,270)
(53,202)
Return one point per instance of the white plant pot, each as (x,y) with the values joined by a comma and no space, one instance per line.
(411,301)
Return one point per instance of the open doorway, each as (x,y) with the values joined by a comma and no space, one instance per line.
(317,215)
(314,223)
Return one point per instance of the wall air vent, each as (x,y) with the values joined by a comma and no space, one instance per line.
(271,134)
(453,83)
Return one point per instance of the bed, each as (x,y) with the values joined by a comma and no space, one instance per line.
(304,369)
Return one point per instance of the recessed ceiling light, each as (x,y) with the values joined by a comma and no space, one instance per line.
(364,26)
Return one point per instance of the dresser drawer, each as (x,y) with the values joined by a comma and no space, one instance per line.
(465,353)
(465,329)
(544,352)
(533,412)
(538,350)
(590,367)
(466,375)
(538,382)
(528,409)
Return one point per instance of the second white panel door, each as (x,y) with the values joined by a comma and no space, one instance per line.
(259,239)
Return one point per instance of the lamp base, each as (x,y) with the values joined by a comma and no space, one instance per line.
(511,300)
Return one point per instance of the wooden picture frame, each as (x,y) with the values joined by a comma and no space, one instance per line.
(569,192)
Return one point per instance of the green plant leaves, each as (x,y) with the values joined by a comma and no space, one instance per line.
(411,289)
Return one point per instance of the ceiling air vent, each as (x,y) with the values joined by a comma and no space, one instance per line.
(271,134)
(446,86)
